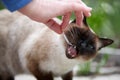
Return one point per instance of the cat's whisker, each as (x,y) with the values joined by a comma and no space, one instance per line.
(68,42)
(74,47)
(72,34)
(66,39)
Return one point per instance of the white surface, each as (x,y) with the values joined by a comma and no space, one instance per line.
(109,77)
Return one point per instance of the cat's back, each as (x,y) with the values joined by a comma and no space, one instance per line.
(15,28)
(6,18)
(17,25)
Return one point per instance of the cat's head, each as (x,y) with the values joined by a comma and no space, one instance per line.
(82,42)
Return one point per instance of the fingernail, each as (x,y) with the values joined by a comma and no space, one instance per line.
(89,14)
(90,8)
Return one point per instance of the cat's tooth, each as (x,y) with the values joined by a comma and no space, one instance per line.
(74,47)
(69,52)
(73,55)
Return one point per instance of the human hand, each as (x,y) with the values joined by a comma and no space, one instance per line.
(45,10)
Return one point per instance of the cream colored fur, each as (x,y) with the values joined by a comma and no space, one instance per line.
(22,37)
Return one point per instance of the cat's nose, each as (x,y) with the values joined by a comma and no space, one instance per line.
(83,45)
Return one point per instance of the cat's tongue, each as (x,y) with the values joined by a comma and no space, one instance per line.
(72,52)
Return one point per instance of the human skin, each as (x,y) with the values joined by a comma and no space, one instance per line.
(45,10)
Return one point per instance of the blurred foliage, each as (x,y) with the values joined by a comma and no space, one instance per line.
(105,18)
(1,5)
(102,63)
(84,69)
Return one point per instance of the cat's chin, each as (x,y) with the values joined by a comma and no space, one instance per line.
(71,52)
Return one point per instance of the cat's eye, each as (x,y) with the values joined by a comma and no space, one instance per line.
(91,46)
(81,41)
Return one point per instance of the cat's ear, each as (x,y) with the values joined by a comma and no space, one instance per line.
(74,21)
(105,42)
(84,21)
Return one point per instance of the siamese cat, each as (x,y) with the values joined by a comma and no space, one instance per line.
(30,47)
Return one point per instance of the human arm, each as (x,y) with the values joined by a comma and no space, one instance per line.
(45,10)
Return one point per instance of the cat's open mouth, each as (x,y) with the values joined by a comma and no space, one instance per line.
(71,51)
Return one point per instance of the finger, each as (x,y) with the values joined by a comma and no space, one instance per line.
(52,24)
(81,7)
(79,18)
(65,7)
(66,19)
(78,1)
(87,11)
